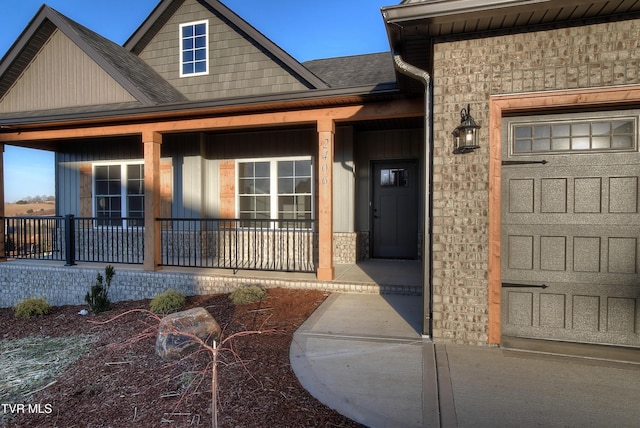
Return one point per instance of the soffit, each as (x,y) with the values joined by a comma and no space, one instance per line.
(441,18)
(414,24)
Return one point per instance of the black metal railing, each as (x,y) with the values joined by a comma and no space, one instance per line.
(276,245)
(34,237)
(108,240)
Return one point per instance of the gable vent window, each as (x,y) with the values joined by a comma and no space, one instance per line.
(194,52)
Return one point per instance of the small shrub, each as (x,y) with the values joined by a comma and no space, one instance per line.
(31,307)
(169,301)
(98,297)
(247,294)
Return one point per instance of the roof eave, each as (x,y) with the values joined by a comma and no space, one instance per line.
(227,106)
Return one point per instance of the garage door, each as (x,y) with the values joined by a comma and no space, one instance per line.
(571,228)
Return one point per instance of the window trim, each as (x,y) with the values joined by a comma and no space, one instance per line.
(273,184)
(573,118)
(124,202)
(181,50)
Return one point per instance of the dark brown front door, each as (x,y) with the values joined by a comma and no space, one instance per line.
(395,210)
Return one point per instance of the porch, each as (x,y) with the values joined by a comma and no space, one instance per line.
(67,285)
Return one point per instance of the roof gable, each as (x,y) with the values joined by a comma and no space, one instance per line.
(122,71)
(58,77)
(243,62)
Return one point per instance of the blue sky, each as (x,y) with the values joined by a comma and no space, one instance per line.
(305,29)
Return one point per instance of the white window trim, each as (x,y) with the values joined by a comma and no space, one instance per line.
(273,182)
(123,187)
(204,73)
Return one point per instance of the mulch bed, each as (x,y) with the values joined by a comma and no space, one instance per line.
(121,382)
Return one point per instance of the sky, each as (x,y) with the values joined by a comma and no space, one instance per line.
(307,29)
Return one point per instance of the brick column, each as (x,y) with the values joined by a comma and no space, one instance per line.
(152,142)
(3,255)
(326,138)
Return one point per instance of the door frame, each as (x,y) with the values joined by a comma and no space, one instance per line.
(372,184)
(500,105)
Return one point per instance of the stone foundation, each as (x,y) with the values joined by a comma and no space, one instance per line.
(62,285)
(350,247)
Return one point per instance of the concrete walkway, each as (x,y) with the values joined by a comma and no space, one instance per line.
(363,356)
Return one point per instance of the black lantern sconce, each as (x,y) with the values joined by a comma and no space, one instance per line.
(465,136)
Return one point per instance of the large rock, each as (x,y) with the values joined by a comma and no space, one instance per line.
(171,344)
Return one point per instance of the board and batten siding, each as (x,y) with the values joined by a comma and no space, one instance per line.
(74,161)
(236,67)
(61,76)
(370,146)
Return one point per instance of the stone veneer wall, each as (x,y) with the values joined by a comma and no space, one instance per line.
(590,56)
(62,285)
(350,247)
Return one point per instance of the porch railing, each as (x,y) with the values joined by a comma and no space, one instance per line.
(276,245)
(34,237)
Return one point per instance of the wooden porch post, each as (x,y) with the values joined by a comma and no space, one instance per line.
(152,142)
(326,137)
(3,254)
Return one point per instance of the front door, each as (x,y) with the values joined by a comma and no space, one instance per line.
(570,229)
(395,210)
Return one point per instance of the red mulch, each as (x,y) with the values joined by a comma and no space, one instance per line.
(122,382)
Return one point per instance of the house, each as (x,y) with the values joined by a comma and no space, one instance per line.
(200,141)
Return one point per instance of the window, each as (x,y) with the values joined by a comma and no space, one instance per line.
(396,177)
(194,52)
(275,189)
(579,135)
(119,192)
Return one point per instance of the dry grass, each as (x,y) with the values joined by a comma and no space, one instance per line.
(29,364)
(44,208)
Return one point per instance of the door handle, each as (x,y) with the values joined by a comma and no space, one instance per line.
(511,285)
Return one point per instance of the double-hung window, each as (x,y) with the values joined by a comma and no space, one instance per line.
(119,192)
(194,51)
(276,189)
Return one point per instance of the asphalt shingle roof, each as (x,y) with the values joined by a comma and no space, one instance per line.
(356,70)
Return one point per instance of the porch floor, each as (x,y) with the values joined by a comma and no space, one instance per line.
(391,276)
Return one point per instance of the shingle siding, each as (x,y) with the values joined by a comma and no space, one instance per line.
(578,57)
(236,67)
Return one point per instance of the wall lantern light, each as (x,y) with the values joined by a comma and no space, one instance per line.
(465,136)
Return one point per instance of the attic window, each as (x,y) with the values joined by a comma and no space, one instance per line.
(194,52)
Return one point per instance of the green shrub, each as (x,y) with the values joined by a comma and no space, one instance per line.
(169,301)
(98,297)
(32,306)
(247,294)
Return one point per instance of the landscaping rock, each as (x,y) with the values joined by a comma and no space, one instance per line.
(170,344)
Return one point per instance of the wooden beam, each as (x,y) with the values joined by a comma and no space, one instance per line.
(390,110)
(152,142)
(326,141)
(3,254)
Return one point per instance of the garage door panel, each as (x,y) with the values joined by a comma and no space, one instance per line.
(571,242)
